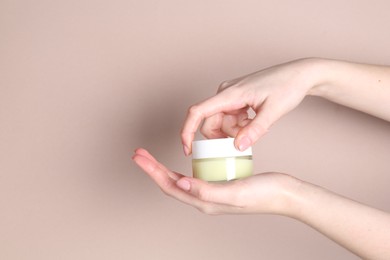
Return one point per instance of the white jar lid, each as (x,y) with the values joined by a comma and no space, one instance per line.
(217,148)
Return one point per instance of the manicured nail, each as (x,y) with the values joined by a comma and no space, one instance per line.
(184,184)
(186,150)
(244,144)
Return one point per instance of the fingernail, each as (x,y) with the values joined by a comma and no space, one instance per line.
(183,184)
(186,150)
(244,144)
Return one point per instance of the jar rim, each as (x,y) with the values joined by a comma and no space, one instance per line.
(217,148)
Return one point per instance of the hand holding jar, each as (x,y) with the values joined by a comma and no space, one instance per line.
(271,93)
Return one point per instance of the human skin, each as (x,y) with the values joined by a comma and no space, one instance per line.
(275,91)
(271,93)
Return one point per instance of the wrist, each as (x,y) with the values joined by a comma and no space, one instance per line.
(315,75)
(294,193)
(291,196)
(303,198)
(319,72)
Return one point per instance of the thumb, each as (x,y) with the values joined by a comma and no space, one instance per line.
(257,127)
(210,192)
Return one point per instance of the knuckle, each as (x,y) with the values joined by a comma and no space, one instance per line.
(206,131)
(204,195)
(257,129)
(195,110)
(167,188)
(226,85)
(223,85)
(203,131)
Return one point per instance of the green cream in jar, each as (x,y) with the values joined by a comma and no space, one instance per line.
(219,160)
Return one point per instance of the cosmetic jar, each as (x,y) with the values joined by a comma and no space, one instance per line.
(219,160)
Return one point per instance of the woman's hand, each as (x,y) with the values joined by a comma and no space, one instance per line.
(359,228)
(275,91)
(271,93)
(262,193)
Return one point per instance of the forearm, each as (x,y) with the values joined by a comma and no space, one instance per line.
(363,230)
(359,86)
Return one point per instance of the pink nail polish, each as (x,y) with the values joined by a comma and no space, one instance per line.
(244,144)
(183,184)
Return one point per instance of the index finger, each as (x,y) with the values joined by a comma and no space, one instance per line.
(198,112)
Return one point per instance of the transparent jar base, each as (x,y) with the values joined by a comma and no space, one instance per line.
(222,169)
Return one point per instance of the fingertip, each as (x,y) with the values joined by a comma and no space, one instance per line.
(141,151)
(134,156)
(186,150)
(144,162)
(242,143)
(186,140)
(249,135)
(137,158)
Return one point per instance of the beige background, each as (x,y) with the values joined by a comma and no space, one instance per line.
(83,83)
